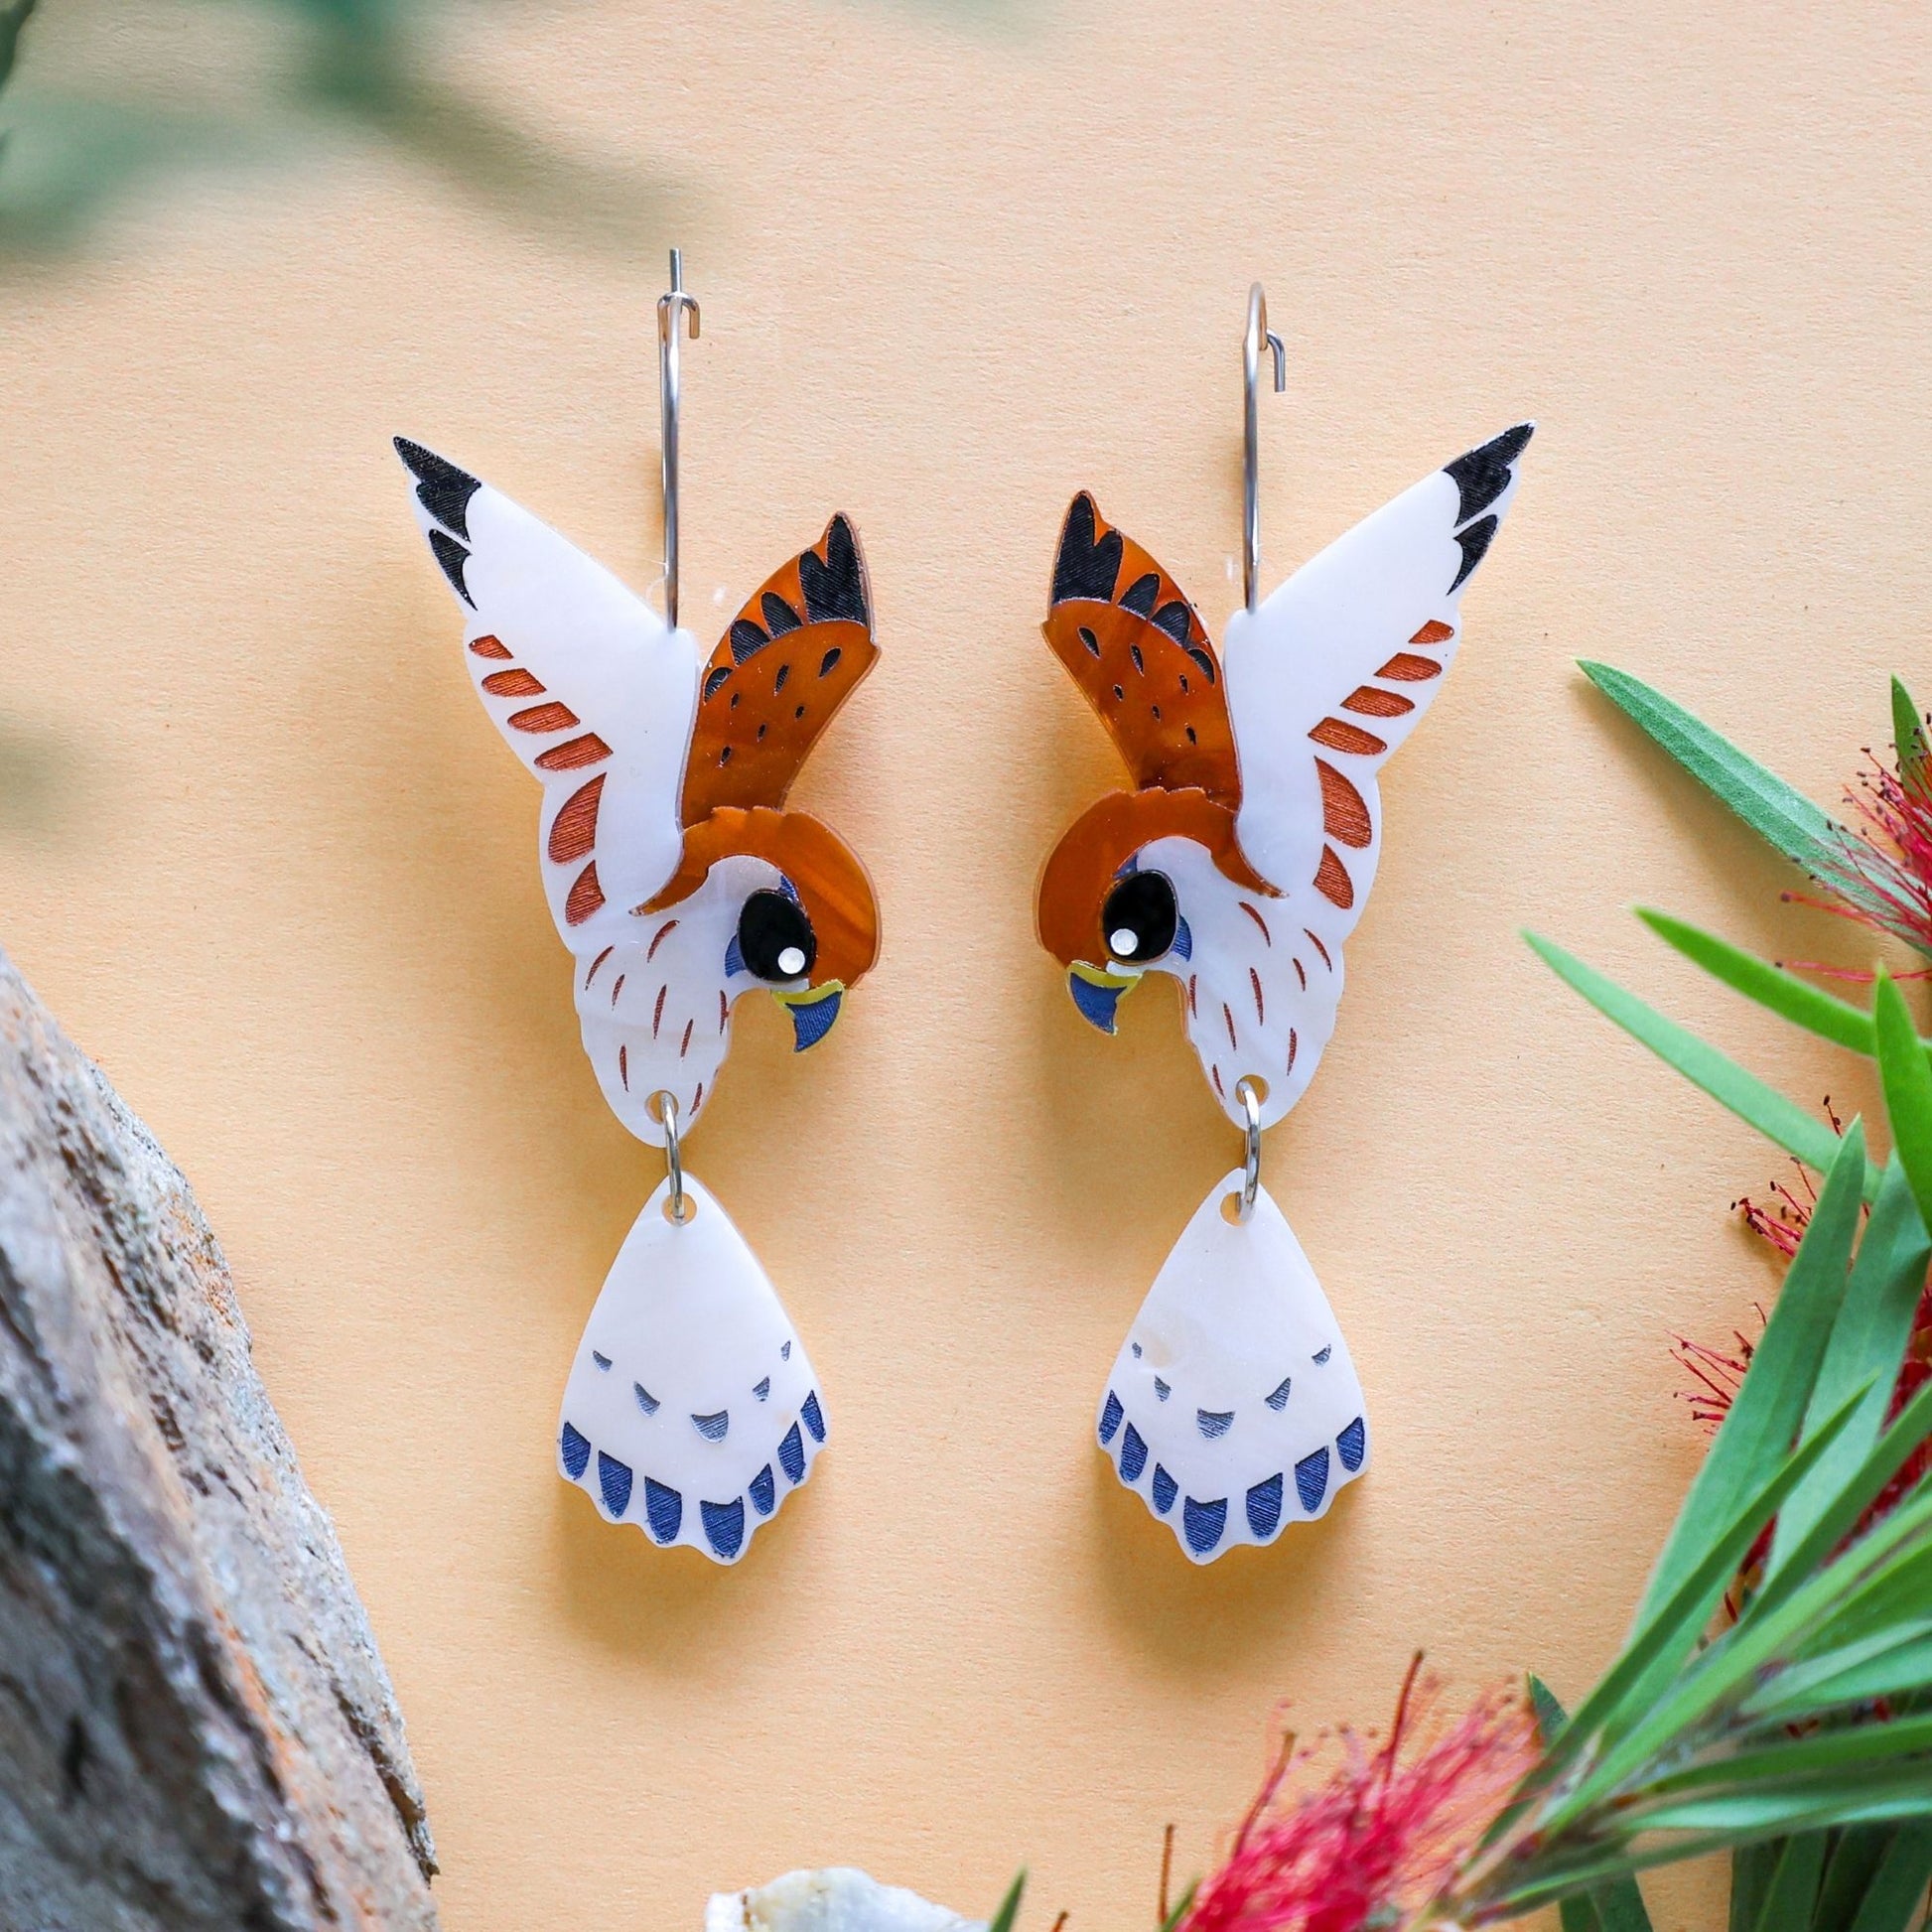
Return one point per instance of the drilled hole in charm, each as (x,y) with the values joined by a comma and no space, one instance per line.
(1257,1084)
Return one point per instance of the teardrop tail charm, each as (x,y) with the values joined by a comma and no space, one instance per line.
(1234,1408)
(692,1409)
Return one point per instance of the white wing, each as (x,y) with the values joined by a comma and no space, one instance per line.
(1331,674)
(587,684)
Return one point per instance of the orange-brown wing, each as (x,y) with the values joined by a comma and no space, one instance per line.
(1135,645)
(788,661)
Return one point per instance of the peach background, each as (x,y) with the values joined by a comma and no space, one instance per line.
(276,871)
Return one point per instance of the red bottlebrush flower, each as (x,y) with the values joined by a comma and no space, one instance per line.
(1378,1842)
(1718,1374)
(1881,867)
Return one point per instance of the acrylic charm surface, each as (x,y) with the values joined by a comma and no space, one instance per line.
(679,882)
(1234,1409)
(673,869)
(692,1409)
(1237,865)
(1241,860)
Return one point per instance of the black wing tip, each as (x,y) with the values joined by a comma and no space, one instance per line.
(1086,566)
(418,458)
(441,488)
(1482,475)
(835,586)
(1082,515)
(451,557)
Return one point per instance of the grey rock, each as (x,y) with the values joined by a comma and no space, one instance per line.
(196,1728)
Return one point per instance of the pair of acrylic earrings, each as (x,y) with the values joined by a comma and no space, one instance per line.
(1238,864)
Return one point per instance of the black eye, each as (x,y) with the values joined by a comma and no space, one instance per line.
(775,937)
(1140,917)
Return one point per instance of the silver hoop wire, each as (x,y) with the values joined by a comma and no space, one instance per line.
(669,308)
(679,1203)
(1244,1090)
(1256,336)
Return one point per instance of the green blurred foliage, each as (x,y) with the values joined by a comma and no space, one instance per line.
(75,147)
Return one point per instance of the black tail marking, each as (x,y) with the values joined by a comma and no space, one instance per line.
(441,488)
(1084,567)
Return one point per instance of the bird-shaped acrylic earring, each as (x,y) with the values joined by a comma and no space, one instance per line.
(679,882)
(1238,864)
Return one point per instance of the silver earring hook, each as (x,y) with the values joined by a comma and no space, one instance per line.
(1256,334)
(1244,1091)
(669,308)
(673,1156)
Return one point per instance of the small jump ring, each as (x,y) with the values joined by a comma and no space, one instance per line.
(673,1156)
(1251,1178)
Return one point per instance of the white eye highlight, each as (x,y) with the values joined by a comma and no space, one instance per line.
(791,962)
(1123,942)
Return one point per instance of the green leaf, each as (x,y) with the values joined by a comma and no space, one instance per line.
(1907,1082)
(1670,1697)
(1578,1913)
(1773,1622)
(1769,1407)
(1835,1797)
(1615,1907)
(1793,1890)
(1001,1920)
(1751,1867)
(1757,1105)
(1891,1596)
(13,17)
(1754,1829)
(1895,1670)
(1785,1760)
(1784,818)
(1549,1715)
(1851,1861)
(1807,1687)
(1908,735)
(1666,1632)
(1892,1897)
(1182,1906)
(1868,1339)
(1801,1596)
(1784,994)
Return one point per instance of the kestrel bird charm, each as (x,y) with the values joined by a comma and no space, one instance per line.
(1238,864)
(679,882)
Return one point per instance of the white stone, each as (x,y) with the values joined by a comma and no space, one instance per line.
(836,1899)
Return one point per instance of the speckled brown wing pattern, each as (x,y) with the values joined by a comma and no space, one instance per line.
(1138,650)
(791,656)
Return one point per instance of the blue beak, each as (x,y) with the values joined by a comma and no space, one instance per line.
(813,1011)
(1098,993)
